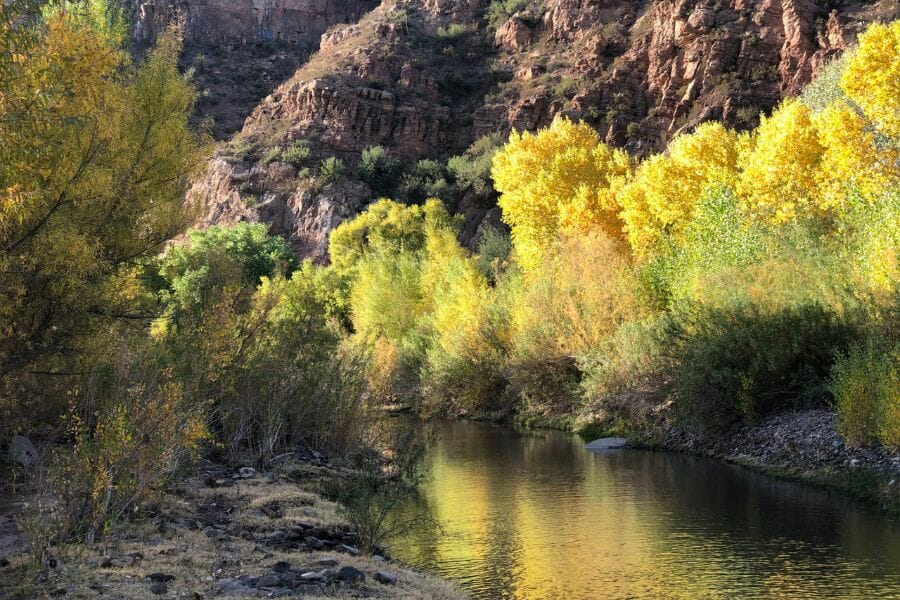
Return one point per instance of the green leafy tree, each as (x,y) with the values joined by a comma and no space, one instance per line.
(95,159)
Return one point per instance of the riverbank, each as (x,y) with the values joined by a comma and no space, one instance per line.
(229,532)
(802,445)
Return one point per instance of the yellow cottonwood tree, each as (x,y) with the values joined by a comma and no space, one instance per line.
(872,77)
(95,159)
(558,178)
(666,187)
(780,167)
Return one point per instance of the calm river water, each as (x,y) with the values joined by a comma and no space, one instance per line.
(534,515)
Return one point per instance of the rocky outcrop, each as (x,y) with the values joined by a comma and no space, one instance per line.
(644,75)
(424,78)
(347,119)
(302,211)
(292,22)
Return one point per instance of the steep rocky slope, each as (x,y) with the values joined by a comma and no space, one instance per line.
(425,78)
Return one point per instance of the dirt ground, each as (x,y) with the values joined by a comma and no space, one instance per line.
(229,533)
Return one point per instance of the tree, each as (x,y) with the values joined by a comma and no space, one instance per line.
(95,159)
(191,276)
(872,77)
(561,177)
(666,187)
(780,167)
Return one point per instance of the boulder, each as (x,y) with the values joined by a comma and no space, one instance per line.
(609,443)
(514,35)
(351,575)
(385,578)
(22,451)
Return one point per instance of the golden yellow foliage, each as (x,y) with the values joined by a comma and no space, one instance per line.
(666,187)
(872,77)
(780,168)
(95,159)
(853,159)
(580,295)
(558,178)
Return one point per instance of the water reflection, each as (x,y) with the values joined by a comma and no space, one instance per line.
(534,515)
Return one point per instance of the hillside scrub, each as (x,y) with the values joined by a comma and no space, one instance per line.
(732,276)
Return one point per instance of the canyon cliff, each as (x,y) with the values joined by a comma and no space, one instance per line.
(426,78)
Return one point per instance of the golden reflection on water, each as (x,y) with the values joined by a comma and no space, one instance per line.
(535,516)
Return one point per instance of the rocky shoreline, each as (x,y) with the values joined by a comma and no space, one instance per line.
(799,444)
(229,533)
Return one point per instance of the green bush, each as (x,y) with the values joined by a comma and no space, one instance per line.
(189,275)
(743,362)
(331,169)
(472,169)
(423,180)
(455,31)
(865,382)
(379,170)
(501,10)
(296,154)
(494,248)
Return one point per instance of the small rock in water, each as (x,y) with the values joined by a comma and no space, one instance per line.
(385,578)
(351,574)
(607,443)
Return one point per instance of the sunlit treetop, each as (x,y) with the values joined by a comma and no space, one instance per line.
(872,77)
(385,225)
(557,178)
(666,187)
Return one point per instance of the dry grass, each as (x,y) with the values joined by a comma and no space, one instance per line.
(198,561)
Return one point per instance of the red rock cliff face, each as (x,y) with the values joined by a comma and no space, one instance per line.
(246,21)
(402,77)
(642,74)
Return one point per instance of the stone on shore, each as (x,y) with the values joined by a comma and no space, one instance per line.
(609,443)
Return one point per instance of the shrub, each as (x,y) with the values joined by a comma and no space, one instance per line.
(865,382)
(134,430)
(455,31)
(468,328)
(331,169)
(242,150)
(544,388)
(582,293)
(423,180)
(382,483)
(500,11)
(296,154)
(379,170)
(472,169)
(743,362)
(623,378)
(188,277)
(494,248)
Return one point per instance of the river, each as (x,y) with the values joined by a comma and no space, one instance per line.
(534,515)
